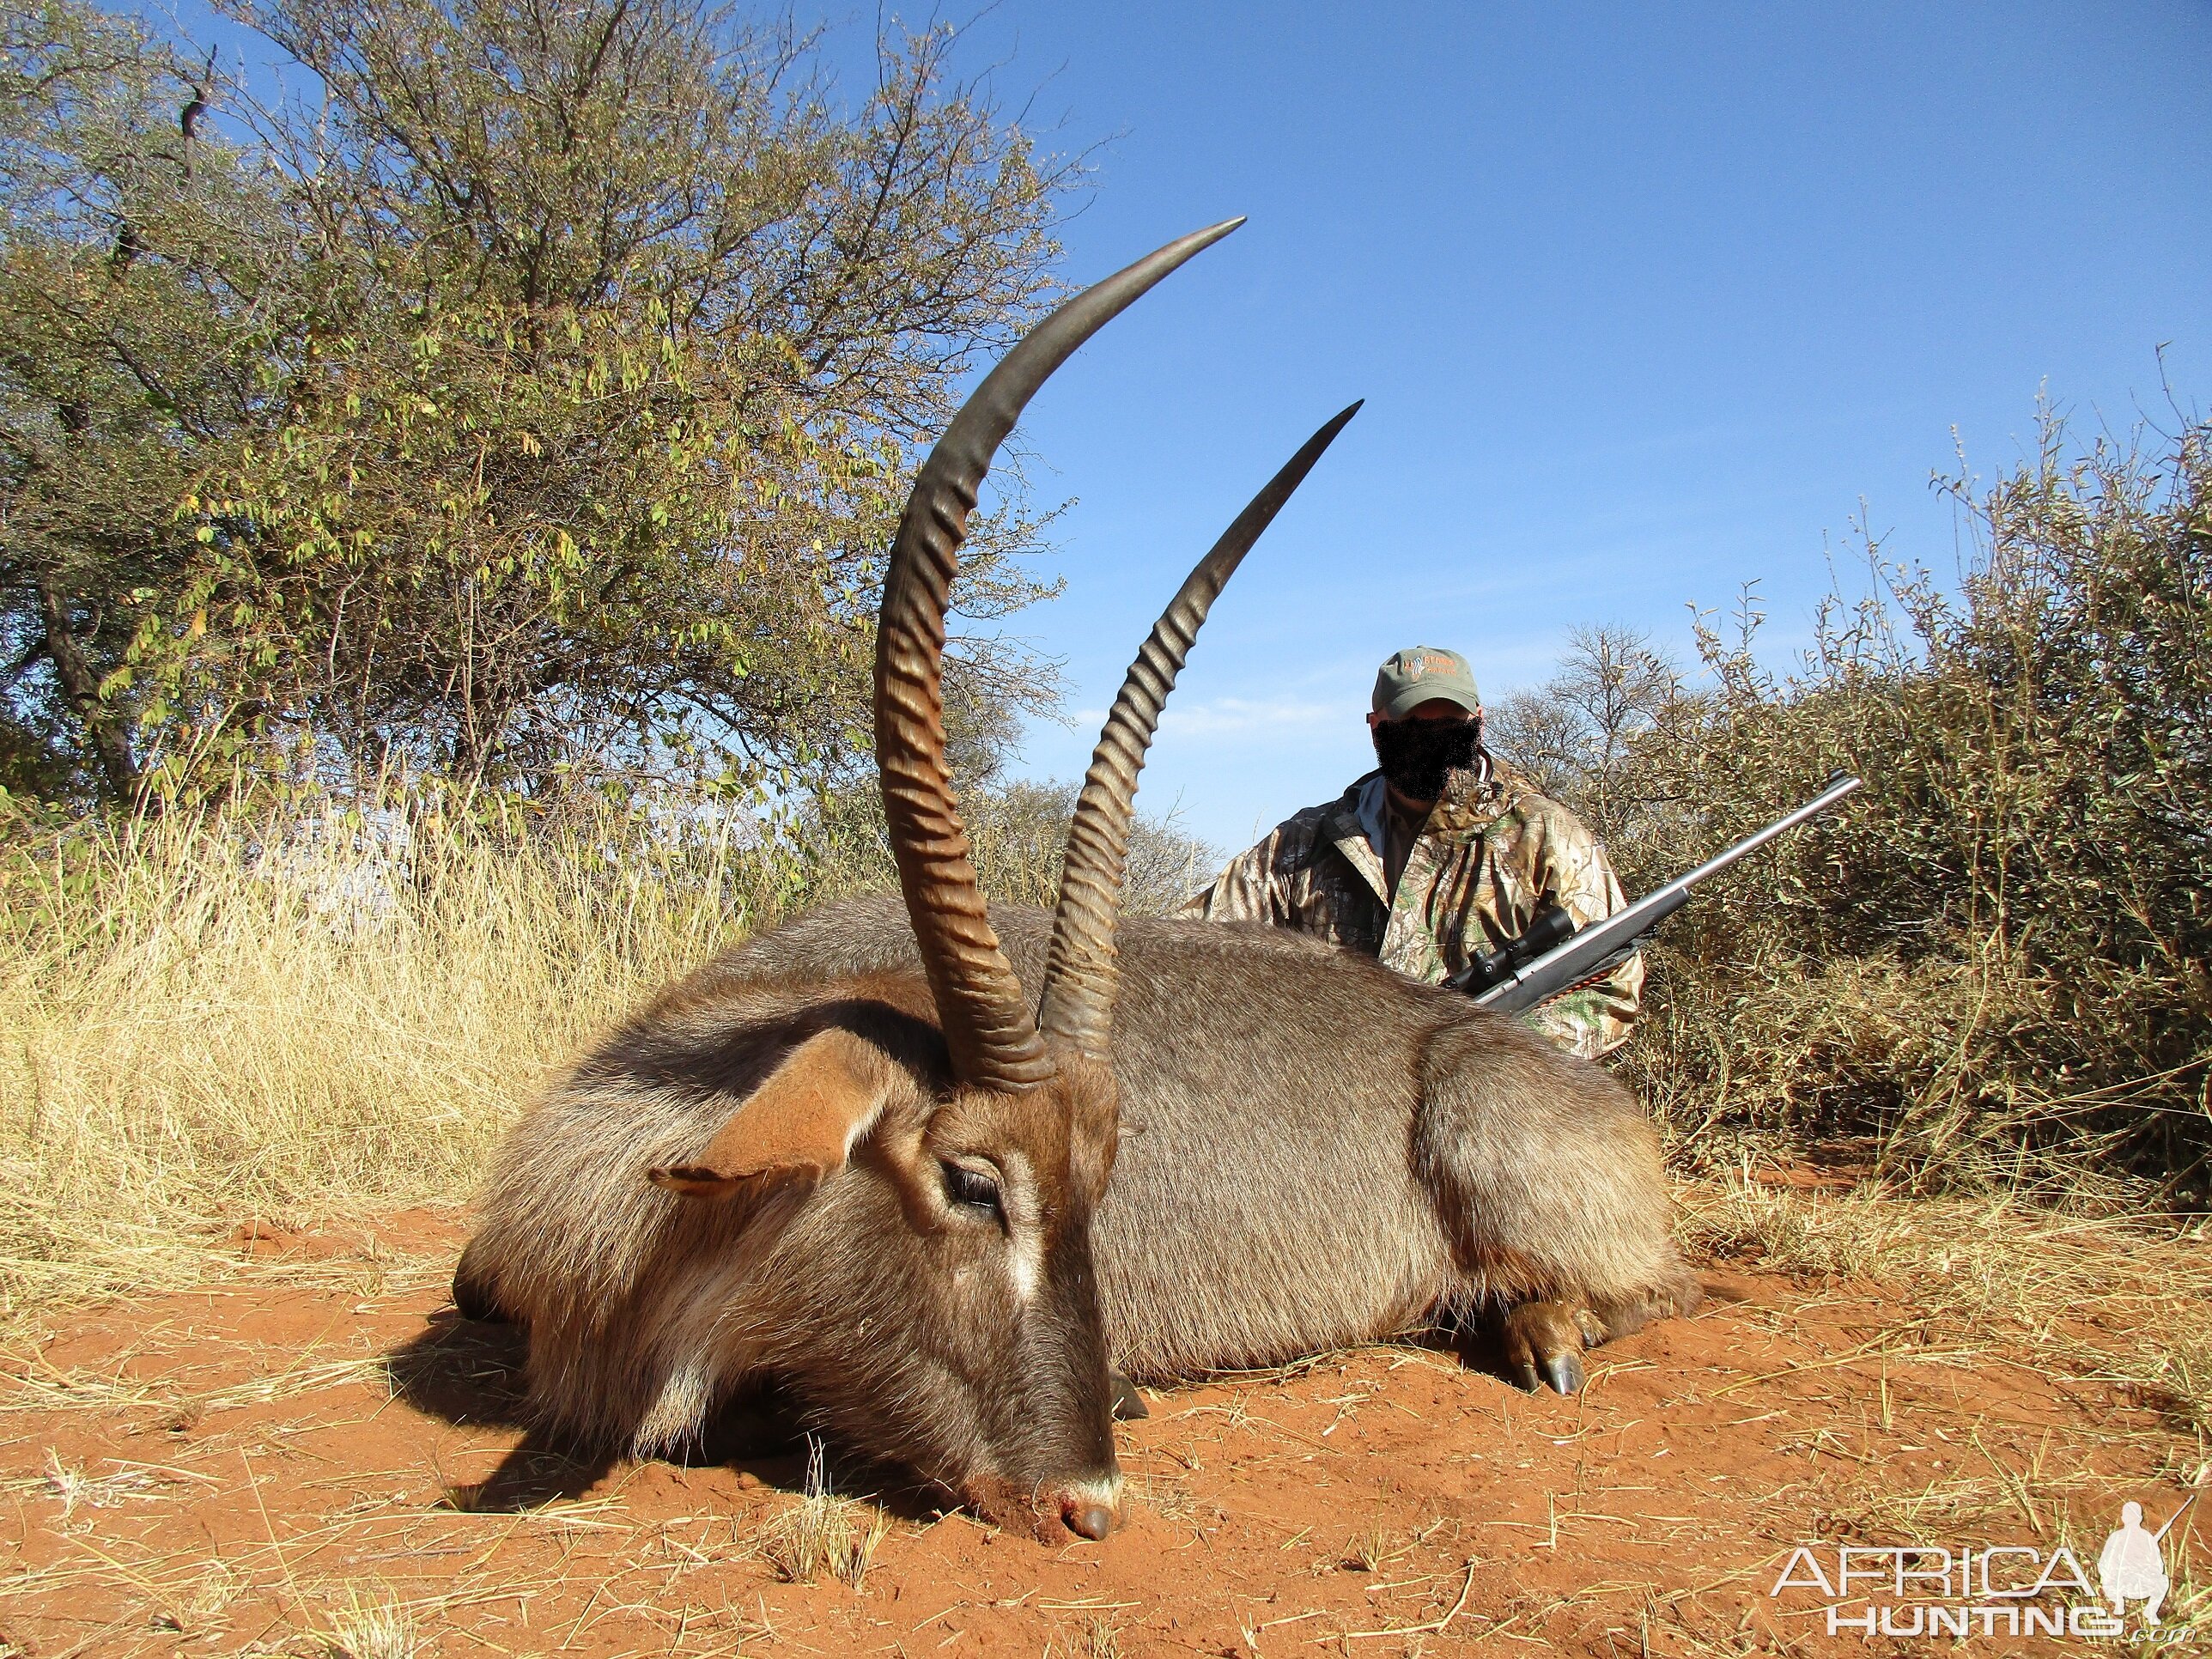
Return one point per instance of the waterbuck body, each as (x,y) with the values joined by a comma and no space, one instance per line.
(856,1155)
(1316,1151)
(1312,1152)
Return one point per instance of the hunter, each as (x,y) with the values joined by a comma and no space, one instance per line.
(1439,855)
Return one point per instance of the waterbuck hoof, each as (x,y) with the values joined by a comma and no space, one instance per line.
(1129,1405)
(1544,1343)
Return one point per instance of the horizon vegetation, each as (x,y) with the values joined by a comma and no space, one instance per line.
(437,579)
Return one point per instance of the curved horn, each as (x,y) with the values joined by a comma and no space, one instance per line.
(1080,975)
(993,1041)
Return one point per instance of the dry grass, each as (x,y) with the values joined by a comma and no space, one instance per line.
(210,1022)
(377,1626)
(2098,1299)
(1093,1637)
(1370,1551)
(203,1036)
(823,1535)
(203,1031)
(1164,1495)
(2107,1298)
(649,1568)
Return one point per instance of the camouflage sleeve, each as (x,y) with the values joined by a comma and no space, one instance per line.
(1248,890)
(1593,1019)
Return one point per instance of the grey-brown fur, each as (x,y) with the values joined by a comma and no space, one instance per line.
(1315,1152)
(898,1329)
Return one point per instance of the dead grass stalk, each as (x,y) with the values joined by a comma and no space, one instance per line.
(823,1534)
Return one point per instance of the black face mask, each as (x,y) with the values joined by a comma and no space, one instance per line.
(1416,754)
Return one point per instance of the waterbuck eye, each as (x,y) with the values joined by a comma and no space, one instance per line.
(970,1189)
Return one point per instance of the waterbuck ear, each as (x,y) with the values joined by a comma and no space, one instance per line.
(803,1120)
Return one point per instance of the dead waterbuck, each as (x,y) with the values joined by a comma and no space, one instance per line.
(847,1156)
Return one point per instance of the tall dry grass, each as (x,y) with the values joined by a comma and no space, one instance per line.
(207,1027)
(297,1017)
(2109,1297)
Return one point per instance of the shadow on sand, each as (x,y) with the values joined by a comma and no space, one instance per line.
(472,1373)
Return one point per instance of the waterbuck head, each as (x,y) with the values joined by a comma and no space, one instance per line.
(933,1150)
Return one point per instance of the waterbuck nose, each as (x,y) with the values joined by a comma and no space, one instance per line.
(1091,1521)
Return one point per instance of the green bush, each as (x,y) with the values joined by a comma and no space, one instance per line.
(1998,962)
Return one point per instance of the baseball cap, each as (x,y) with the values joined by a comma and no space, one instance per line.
(1419,672)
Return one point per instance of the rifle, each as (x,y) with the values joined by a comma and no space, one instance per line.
(1553,956)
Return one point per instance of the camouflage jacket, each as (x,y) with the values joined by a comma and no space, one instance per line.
(1480,866)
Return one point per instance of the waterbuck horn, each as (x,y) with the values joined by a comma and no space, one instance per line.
(988,1029)
(1080,975)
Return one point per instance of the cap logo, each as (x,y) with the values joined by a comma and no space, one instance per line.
(1401,684)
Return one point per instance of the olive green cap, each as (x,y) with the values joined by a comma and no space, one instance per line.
(1419,672)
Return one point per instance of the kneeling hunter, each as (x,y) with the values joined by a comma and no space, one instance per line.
(1440,855)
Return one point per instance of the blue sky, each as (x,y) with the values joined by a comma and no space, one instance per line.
(1644,301)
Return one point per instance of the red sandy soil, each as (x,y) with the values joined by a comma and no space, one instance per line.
(243,1468)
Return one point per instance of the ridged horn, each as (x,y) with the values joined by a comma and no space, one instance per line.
(988,1029)
(1081,976)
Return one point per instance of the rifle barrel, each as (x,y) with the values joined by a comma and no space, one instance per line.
(2171,1519)
(1567,964)
(1837,788)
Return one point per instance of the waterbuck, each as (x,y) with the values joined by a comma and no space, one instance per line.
(848,1156)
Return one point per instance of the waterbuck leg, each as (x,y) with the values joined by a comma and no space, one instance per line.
(473,1289)
(1546,1178)
(1676,1300)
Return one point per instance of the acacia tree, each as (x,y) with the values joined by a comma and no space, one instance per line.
(1573,735)
(580,424)
(139,269)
